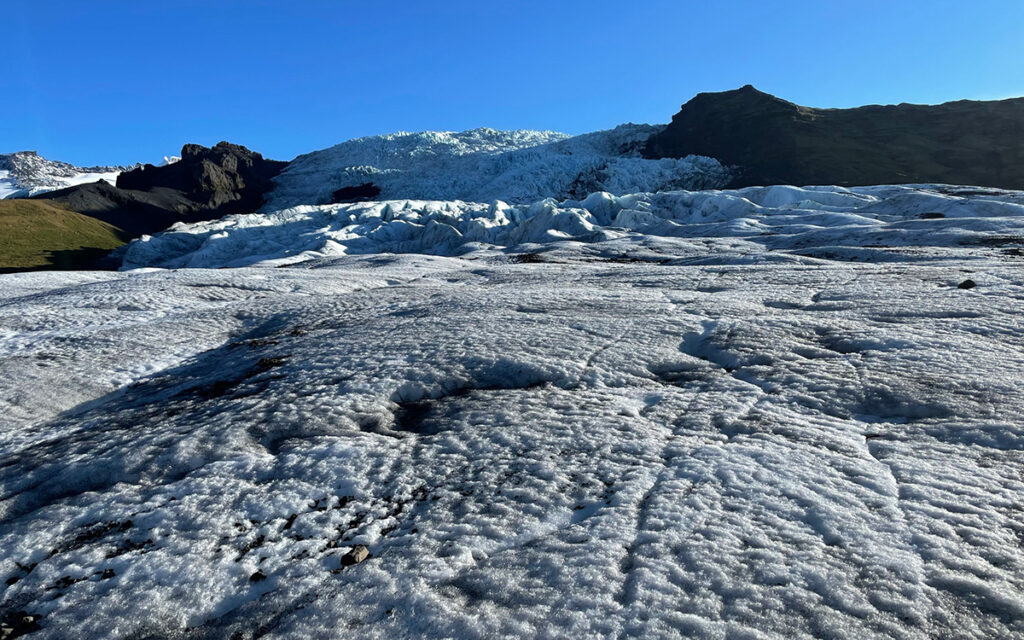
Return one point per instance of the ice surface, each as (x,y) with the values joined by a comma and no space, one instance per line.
(26,173)
(757,414)
(485,164)
(890,223)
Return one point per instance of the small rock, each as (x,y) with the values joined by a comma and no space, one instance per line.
(259,576)
(932,215)
(18,624)
(266,364)
(355,555)
(967,284)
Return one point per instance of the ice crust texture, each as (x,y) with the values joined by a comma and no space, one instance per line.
(767,413)
(482,165)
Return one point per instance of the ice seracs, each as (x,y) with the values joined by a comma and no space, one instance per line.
(481,165)
(763,223)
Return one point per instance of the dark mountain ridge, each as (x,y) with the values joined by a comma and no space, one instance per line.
(226,175)
(207,183)
(773,141)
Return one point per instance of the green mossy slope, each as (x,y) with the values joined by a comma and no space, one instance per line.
(36,234)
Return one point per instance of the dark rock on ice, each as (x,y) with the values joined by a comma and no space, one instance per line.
(355,555)
(17,624)
(359,193)
(206,184)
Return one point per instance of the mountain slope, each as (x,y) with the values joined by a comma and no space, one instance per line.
(204,184)
(772,141)
(43,235)
(27,173)
(483,165)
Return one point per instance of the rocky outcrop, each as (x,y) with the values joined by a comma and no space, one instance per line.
(205,184)
(771,141)
(227,176)
(358,193)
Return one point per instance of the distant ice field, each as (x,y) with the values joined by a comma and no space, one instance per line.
(10,187)
(484,164)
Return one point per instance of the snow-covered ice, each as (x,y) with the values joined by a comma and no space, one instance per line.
(486,164)
(760,414)
(764,223)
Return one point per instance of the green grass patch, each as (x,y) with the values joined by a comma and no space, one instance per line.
(36,234)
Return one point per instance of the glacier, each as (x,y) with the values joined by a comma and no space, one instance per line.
(765,413)
(26,173)
(762,223)
(484,164)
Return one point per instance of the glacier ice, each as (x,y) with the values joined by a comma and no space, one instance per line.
(482,165)
(761,413)
(866,223)
(26,173)
(580,446)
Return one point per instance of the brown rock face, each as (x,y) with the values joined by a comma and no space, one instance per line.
(205,184)
(213,178)
(772,141)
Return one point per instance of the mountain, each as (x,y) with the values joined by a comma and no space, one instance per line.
(27,173)
(482,165)
(225,178)
(740,137)
(772,141)
(205,183)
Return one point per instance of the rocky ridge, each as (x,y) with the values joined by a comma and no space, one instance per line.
(772,141)
(205,184)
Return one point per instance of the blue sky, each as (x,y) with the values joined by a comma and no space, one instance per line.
(119,82)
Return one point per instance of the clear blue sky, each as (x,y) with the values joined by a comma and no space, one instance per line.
(126,81)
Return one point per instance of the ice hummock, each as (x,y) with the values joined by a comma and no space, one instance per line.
(863,223)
